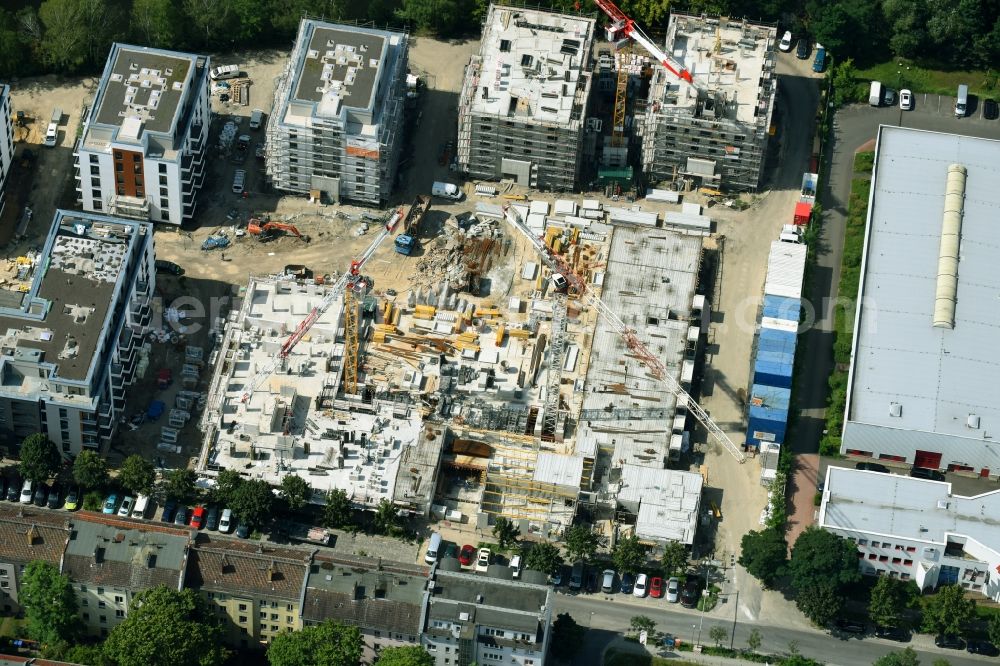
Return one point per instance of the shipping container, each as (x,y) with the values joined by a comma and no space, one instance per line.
(775,340)
(803,211)
(781,307)
(786,266)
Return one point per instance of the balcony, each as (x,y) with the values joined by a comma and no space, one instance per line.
(130,207)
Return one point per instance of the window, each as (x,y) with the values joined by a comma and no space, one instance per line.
(243,619)
(873,556)
(101,604)
(165,215)
(121,190)
(243,608)
(83,602)
(862,542)
(163,180)
(97,204)
(263,603)
(883,558)
(288,619)
(274,617)
(897,560)
(288,608)
(163,167)
(83,588)
(104,619)
(505,45)
(86,617)
(95,181)
(118,167)
(263,615)
(120,613)
(904,576)
(118,154)
(911,549)
(274,627)
(908,563)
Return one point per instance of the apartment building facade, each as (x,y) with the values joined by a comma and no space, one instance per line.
(142,152)
(69,345)
(6,142)
(336,124)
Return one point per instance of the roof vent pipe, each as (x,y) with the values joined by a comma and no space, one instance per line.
(951,232)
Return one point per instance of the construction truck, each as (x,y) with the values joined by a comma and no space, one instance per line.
(406,241)
(266,230)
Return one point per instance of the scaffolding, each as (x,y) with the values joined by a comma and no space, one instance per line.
(557,345)
(350,342)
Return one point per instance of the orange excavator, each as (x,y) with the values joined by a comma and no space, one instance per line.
(266,230)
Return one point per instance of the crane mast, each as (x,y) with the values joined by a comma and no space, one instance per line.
(631,338)
(622,27)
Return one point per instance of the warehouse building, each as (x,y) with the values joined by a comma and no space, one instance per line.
(522,107)
(922,386)
(336,125)
(142,152)
(711,132)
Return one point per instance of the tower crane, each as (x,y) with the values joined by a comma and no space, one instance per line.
(352,275)
(622,27)
(573,282)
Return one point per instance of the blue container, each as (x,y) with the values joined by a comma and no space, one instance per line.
(763,430)
(782,307)
(774,339)
(768,418)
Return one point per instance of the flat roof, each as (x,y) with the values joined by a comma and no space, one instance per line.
(532,65)
(668,501)
(938,377)
(902,506)
(559,469)
(77,281)
(142,88)
(649,282)
(488,601)
(341,62)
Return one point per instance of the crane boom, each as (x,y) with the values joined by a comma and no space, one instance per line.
(623,25)
(331,297)
(630,337)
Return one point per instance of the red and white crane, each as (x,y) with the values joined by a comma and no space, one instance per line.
(622,27)
(631,338)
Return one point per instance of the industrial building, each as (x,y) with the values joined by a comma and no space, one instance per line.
(487,619)
(336,125)
(72,330)
(915,529)
(142,151)
(711,132)
(521,112)
(6,142)
(922,387)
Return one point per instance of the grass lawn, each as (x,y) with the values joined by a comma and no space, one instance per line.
(863,162)
(900,73)
(11,627)
(616,657)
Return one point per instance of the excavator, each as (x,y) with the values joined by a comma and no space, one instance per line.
(266,230)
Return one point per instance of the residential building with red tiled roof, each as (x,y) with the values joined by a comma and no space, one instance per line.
(27,534)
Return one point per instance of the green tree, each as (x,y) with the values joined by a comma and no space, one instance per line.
(252,501)
(157,22)
(137,475)
(629,554)
(847,28)
(506,533)
(84,654)
(166,627)
(581,543)
(329,644)
(939,662)
(337,510)
(77,32)
(180,484)
(543,557)
(675,558)
(50,609)
(39,458)
(387,518)
(718,634)
(820,601)
(93,501)
(208,18)
(90,470)
(888,599)
(225,486)
(407,655)
(844,77)
(993,629)
(754,640)
(295,491)
(251,17)
(819,555)
(948,611)
(907,21)
(567,637)
(641,623)
(907,657)
(764,554)
(443,18)
(12,47)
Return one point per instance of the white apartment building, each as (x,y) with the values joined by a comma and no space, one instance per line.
(915,529)
(142,153)
(6,142)
(69,345)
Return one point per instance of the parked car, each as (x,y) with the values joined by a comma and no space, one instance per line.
(181,517)
(4,484)
(198,517)
(786,41)
(802,49)
(690,593)
(212,518)
(850,626)
(991,110)
(14,488)
(515,566)
(243,530)
(226,521)
(483,559)
(872,467)
(674,590)
(451,550)
(641,588)
(608,581)
(819,60)
(557,577)
(592,585)
(110,504)
(628,582)
(164,266)
(467,555)
(656,587)
(169,511)
(892,634)
(982,647)
(55,497)
(924,473)
(41,494)
(905,99)
(949,641)
(27,491)
(141,506)
(125,510)
(576,577)
(72,499)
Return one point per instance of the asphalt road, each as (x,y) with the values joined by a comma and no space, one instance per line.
(607,620)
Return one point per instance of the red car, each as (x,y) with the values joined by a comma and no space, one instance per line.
(198,517)
(467,554)
(656,587)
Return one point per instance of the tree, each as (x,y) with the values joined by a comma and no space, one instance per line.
(543,557)
(138,476)
(296,491)
(209,17)
(180,484)
(337,510)
(50,609)
(443,18)
(39,458)
(407,655)
(629,554)
(329,644)
(567,636)
(77,32)
(819,555)
(581,543)
(166,627)
(675,558)
(12,47)
(505,532)
(948,611)
(718,633)
(888,598)
(225,486)
(90,470)
(993,629)
(157,22)
(907,657)
(844,77)
(387,518)
(93,501)
(642,623)
(819,600)
(763,554)
(847,28)
(252,501)
(754,640)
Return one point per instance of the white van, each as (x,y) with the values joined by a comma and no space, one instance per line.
(239,180)
(51,135)
(446,191)
(256,118)
(225,72)
(962,101)
(875,93)
(141,504)
(226,521)
(433,548)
